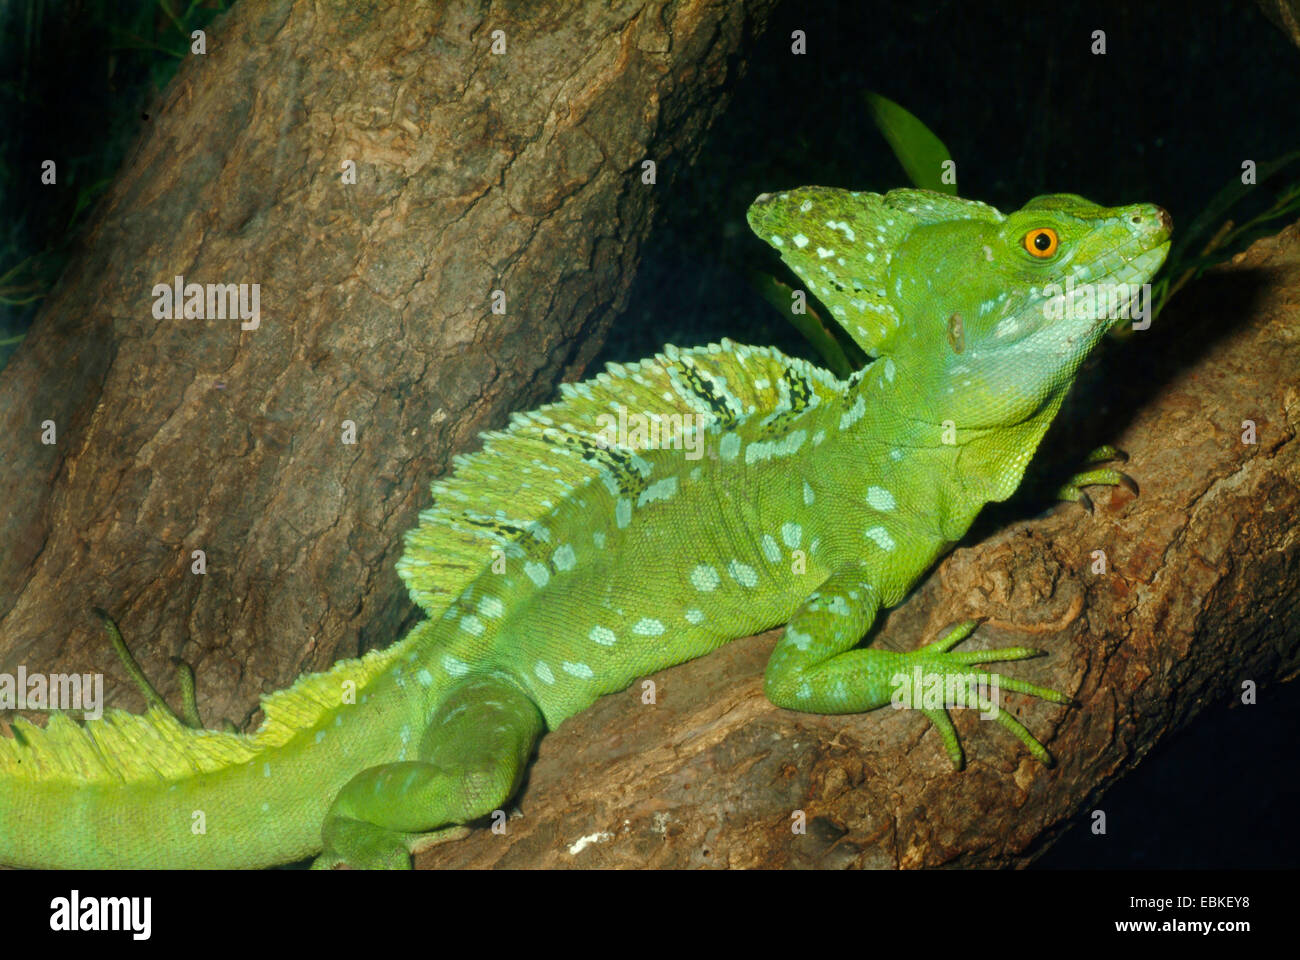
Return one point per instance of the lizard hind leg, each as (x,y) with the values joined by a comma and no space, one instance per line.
(472,758)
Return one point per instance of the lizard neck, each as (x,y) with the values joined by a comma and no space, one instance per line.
(921,436)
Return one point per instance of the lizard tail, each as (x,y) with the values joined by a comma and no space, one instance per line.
(60,808)
(144,790)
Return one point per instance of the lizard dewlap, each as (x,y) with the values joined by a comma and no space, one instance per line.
(565,559)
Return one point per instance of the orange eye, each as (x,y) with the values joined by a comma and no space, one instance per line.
(1041,243)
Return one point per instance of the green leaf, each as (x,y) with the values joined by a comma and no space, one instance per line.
(1225,199)
(1196,249)
(921,153)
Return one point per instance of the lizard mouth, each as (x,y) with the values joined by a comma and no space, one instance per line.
(1113,290)
(1134,266)
(1156,227)
(1119,277)
(1122,290)
(1139,267)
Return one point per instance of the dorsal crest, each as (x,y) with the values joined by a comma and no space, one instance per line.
(503,500)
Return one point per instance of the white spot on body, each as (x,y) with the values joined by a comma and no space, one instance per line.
(704,578)
(854,413)
(661,490)
(770,549)
(800,639)
(838,606)
(743,574)
(537,572)
(766,449)
(880,499)
(881,538)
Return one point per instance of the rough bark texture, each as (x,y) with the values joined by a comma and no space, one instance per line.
(1201,594)
(475,172)
(1285,15)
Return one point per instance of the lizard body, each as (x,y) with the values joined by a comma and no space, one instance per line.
(564,560)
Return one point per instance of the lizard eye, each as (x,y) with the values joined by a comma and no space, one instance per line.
(1041,243)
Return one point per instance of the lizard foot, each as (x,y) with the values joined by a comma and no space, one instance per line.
(362,846)
(1072,489)
(971,688)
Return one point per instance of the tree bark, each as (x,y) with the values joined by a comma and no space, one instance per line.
(477,171)
(1200,595)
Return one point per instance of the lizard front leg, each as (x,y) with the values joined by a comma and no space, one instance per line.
(472,759)
(815,669)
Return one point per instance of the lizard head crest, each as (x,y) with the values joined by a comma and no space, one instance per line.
(999,308)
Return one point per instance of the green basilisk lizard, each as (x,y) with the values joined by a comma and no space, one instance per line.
(565,559)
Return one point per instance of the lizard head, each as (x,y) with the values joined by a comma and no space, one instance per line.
(999,311)
(980,312)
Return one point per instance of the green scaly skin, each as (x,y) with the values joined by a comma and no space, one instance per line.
(556,567)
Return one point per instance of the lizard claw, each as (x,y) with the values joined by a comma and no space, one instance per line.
(1072,489)
(937,657)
